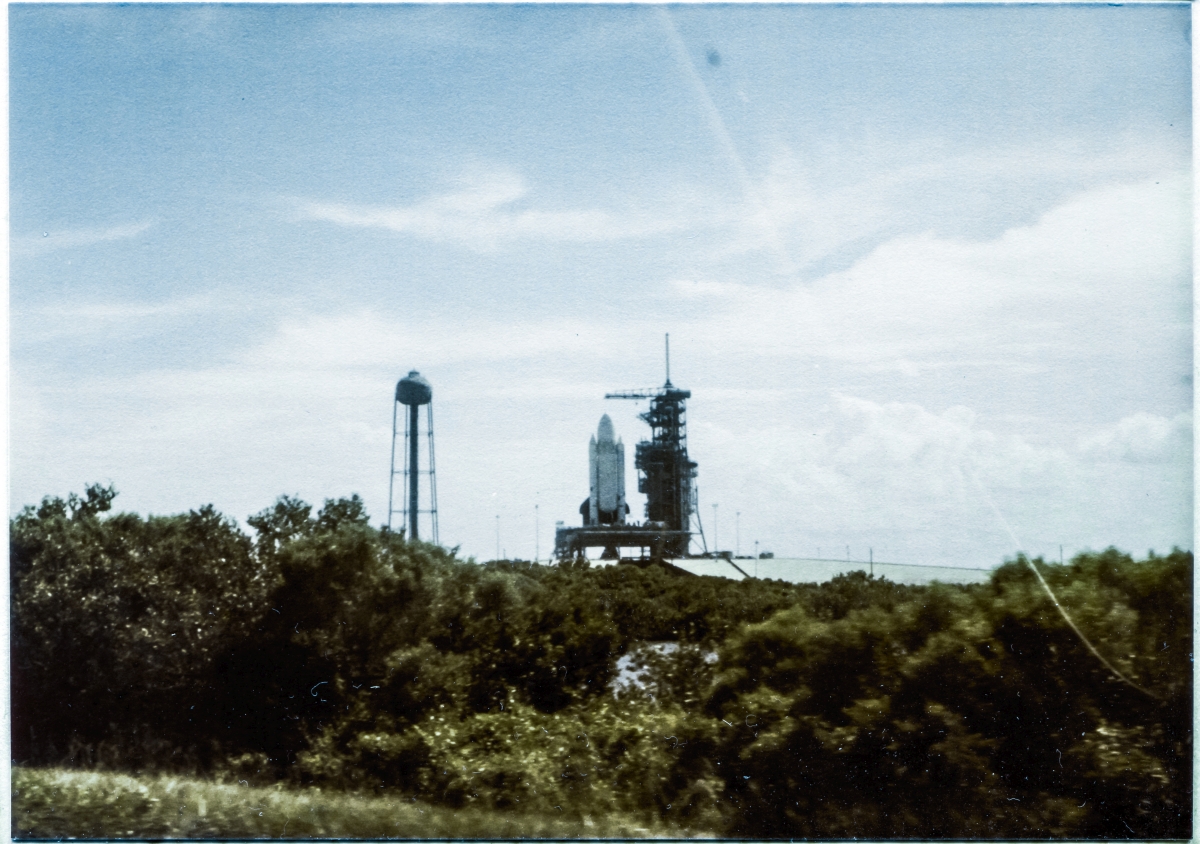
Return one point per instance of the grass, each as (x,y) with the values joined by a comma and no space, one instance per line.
(60,803)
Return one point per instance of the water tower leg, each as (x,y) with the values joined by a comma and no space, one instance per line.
(392,470)
(413,475)
(433,510)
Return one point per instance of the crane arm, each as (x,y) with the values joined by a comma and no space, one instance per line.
(633,394)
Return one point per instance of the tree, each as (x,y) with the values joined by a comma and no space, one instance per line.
(118,620)
(985,697)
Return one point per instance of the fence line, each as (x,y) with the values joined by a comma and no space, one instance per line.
(870,563)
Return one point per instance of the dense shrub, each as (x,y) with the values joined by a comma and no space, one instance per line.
(117,625)
(324,650)
(983,697)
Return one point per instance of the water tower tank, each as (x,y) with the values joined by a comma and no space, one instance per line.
(413,390)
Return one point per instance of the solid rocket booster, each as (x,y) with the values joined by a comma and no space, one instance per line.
(606,501)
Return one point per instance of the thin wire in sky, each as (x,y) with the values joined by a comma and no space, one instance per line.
(1046,586)
(716,124)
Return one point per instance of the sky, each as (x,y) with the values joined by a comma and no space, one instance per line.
(925,269)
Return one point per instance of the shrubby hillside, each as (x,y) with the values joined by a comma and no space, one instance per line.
(322,650)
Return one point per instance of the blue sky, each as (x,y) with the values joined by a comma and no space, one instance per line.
(912,258)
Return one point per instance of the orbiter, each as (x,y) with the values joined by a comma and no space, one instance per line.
(605,504)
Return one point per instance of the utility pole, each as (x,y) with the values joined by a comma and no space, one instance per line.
(737,545)
(716,546)
(537,525)
(497,536)
(871,552)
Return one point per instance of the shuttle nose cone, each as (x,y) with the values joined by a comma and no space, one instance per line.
(605,432)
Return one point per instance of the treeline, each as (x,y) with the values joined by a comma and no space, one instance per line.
(324,650)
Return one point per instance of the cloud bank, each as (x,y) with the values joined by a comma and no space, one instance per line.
(485,214)
(1142,438)
(922,300)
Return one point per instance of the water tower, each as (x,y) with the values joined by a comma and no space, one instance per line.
(413,391)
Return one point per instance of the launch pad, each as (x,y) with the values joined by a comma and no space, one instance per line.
(665,475)
(653,542)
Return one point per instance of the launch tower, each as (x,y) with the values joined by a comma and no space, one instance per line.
(665,474)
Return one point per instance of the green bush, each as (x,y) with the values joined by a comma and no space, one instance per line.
(117,624)
(984,698)
(329,653)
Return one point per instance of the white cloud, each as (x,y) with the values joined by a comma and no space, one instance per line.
(76,322)
(128,311)
(903,455)
(366,339)
(53,241)
(1106,266)
(812,213)
(1142,438)
(908,480)
(487,213)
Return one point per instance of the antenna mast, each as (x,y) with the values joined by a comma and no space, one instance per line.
(668,341)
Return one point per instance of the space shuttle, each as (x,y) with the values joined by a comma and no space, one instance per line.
(605,504)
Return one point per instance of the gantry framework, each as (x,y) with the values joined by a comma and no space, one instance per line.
(665,475)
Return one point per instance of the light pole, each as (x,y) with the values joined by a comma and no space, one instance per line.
(756,559)
(537,524)
(497,536)
(737,543)
(716,545)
